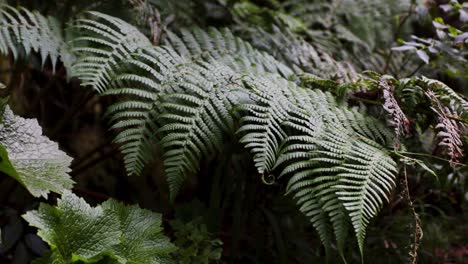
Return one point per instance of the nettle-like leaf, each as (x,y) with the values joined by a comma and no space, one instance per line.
(41,167)
(74,229)
(142,240)
(5,163)
(77,231)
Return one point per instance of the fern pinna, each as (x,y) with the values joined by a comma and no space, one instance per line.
(201,88)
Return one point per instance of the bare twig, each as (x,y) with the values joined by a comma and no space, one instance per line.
(109,154)
(417,233)
(397,33)
(430,156)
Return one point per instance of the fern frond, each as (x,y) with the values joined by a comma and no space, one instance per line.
(355,21)
(24,31)
(106,41)
(188,94)
(195,120)
(300,55)
(148,15)
(449,107)
(329,159)
(399,121)
(366,180)
(223,46)
(449,131)
(312,184)
(444,94)
(160,70)
(262,125)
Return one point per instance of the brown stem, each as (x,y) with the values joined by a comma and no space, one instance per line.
(417,233)
(95,161)
(69,115)
(77,162)
(416,70)
(456,119)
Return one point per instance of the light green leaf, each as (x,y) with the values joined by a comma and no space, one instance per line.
(41,167)
(143,240)
(5,164)
(76,231)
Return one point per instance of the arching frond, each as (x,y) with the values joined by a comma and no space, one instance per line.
(195,119)
(106,41)
(162,69)
(329,159)
(222,45)
(262,124)
(23,31)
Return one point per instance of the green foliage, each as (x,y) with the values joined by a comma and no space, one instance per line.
(191,91)
(22,31)
(195,243)
(78,232)
(288,92)
(116,40)
(41,167)
(187,98)
(445,52)
(5,164)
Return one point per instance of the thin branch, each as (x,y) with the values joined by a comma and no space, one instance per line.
(398,31)
(417,233)
(416,70)
(430,156)
(113,151)
(456,119)
(77,162)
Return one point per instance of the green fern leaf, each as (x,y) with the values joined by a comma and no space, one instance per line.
(160,69)
(105,44)
(333,185)
(366,180)
(195,120)
(20,28)
(261,127)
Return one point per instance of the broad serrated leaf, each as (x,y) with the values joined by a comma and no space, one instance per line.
(143,240)
(76,231)
(5,164)
(41,167)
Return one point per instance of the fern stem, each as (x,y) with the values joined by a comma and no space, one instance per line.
(94,162)
(416,70)
(368,101)
(398,153)
(417,233)
(456,119)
